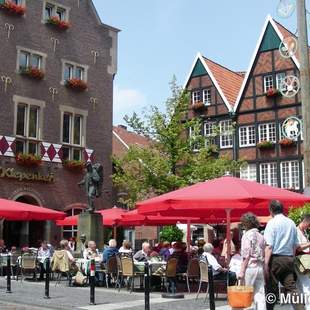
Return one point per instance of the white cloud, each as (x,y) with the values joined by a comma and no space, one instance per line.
(127,101)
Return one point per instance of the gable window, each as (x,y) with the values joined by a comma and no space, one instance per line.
(248,172)
(210,133)
(290,175)
(206,96)
(55,10)
(267,132)
(268,174)
(196,96)
(226,134)
(279,78)
(247,136)
(268,82)
(73,70)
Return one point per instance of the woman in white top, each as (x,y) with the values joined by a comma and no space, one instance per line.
(303,280)
(126,247)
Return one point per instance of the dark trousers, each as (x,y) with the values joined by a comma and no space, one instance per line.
(226,275)
(281,269)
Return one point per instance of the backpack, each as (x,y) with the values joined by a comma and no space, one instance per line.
(60,261)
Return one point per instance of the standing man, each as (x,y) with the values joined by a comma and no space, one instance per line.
(281,243)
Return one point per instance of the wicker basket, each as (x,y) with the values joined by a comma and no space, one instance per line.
(240,296)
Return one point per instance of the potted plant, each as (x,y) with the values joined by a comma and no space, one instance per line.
(76,84)
(265,145)
(12,8)
(198,105)
(57,22)
(32,72)
(74,165)
(286,142)
(271,92)
(28,160)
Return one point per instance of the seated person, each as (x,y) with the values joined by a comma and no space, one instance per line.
(164,251)
(179,252)
(3,248)
(236,261)
(126,247)
(64,245)
(91,252)
(44,252)
(219,273)
(109,251)
(144,254)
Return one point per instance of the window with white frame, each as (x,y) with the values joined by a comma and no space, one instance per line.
(247,136)
(196,96)
(207,96)
(268,174)
(279,78)
(73,70)
(226,134)
(248,172)
(29,58)
(72,136)
(210,133)
(268,82)
(290,174)
(55,10)
(71,231)
(193,141)
(267,132)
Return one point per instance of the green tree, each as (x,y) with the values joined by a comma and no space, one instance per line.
(170,234)
(296,214)
(169,162)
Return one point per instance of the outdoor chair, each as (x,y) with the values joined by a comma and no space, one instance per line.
(28,264)
(60,265)
(3,264)
(192,272)
(129,272)
(15,265)
(118,282)
(169,277)
(111,269)
(204,278)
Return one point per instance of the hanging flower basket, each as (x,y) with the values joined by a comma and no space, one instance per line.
(271,92)
(76,84)
(74,165)
(264,145)
(287,142)
(198,106)
(34,73)
(28,160)
(57,22)
(12,8)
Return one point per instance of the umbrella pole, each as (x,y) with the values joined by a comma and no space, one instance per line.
(188,236)
(114,232)
(228,235)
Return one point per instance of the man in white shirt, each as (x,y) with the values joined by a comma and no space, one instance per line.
(281,243)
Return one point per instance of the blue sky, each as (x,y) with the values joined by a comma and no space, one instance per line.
(160,38)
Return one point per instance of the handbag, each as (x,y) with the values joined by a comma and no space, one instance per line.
(79,279)
(302,263)
(240,296)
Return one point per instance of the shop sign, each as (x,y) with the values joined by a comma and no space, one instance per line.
(12,173)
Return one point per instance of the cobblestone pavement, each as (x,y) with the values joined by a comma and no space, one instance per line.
(29,296)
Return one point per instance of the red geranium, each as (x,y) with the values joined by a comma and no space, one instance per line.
(61,24)
(32,72)
(76,84)
(13,8)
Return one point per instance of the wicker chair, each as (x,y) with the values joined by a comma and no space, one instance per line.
(129,272)
(204,278)
(192,272)
(118,282)
(15,264)
(28,264)
(111,269)
(61,255)
(169,277)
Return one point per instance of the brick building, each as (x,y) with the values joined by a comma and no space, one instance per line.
(58,62)
(243,112)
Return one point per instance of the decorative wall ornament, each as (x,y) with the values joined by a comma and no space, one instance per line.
(93,101)
(290,86)
(55,43)
(286,8)
(288,47)
(6,80)
(95,55)
(292,128)
(53,91)
(9,28)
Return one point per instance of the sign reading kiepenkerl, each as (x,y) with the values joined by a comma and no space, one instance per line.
(12,173)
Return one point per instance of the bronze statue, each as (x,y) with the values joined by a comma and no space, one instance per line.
(92,180)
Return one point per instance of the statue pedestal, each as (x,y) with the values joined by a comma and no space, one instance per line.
(90,224)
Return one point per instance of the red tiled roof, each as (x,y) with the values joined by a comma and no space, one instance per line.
(228,80)
(122,139)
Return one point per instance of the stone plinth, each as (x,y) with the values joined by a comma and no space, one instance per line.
(90,224)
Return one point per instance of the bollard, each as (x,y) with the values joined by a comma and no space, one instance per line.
(8,274)
(47,279)
(146,286)
(211,288)
(92,282)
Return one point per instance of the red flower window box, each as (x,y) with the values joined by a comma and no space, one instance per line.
(271,92)
(287,142)
(32,72)
(56,21)
(76,84)
(28,160)
(263,145)
(13,8)
(74,165)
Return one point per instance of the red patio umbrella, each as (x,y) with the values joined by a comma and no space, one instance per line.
(222,197)
(12,210)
